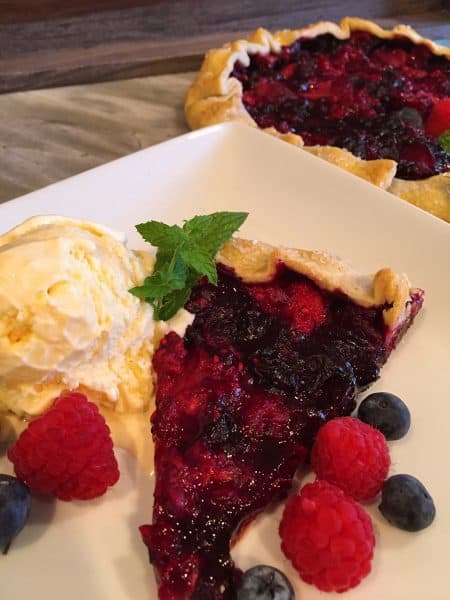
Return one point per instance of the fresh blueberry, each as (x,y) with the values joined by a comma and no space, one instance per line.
(387,413)
(265,583)
(406,503)
(15,502)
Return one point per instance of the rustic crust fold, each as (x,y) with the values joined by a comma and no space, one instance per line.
(256,262)
(215,97)
(432,194)
(379,172)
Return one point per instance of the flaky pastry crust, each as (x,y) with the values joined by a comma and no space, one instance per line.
(380,172)
(432,194)
(215,97)
(256,262)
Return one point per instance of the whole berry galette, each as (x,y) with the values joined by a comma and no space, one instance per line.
(279,347)
(372,101)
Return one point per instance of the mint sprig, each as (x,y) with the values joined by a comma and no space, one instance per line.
(444,140)
(185,255)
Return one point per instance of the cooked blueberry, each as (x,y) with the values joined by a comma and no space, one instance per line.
(372,102)
(387,413)
(406,503)
(15,502)
(409,114)
(265,583)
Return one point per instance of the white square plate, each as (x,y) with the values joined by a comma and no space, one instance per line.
(93,550)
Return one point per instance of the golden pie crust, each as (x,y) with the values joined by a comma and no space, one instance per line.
(256,262)
(379,172)
(432,194)
(215,97)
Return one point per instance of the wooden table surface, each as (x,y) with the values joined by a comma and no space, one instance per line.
(49,43)
(48,135)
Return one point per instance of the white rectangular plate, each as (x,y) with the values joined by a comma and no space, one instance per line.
(93,550)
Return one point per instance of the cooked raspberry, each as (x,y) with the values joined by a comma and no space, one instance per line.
(439,119)
(266,415)
(301,303)
(67,452)
(328,537)
(171,353)
(306,307)
(352,455)
(353,94)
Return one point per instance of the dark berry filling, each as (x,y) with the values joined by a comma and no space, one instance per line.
(239,402)
(353,94)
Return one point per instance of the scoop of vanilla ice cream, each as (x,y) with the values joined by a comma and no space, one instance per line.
(67,319)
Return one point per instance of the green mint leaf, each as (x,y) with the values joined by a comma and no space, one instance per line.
(179,273)
(210,232)
(142,292)
(444,140)
(200,261)
(172,303)
(168,278)
(162,257)
(184,256)
(161,235)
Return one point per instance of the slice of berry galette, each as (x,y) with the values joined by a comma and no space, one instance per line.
(282,344)
(374,102)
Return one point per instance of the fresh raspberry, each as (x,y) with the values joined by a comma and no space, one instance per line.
(439,119)
(328,537)
(352,455)
(67,452)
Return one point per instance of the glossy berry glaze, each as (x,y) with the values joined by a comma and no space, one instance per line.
(239,401)
(352,94)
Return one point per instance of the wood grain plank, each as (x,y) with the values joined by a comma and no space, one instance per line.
(434,25)
(139,41)
(48,135)
(20,11)
(181,18)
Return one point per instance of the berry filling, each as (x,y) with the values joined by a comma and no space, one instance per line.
(239,402)
(368,95)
